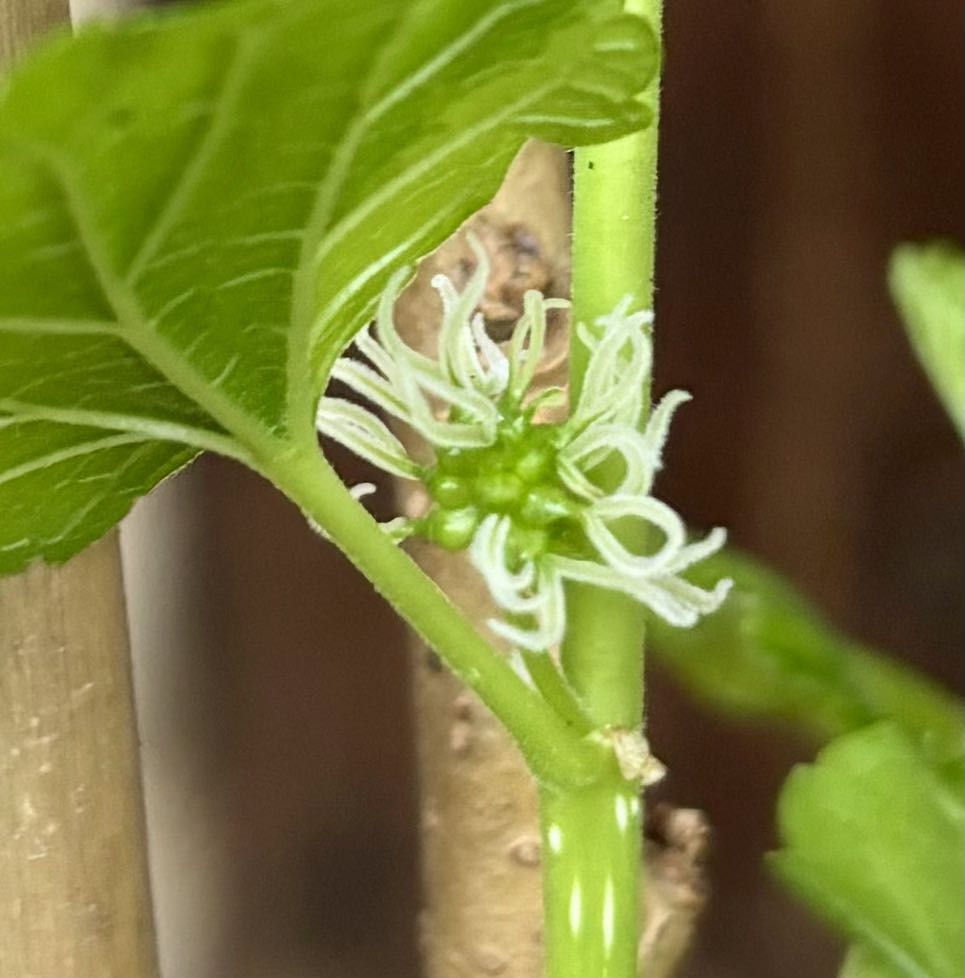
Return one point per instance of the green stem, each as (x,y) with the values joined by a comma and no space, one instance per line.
(557,754)
(591,846)
(614,219)
(614,235)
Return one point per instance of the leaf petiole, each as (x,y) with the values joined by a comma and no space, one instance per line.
(558,755)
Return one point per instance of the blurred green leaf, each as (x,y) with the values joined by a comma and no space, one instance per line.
(860,962)
(198,210)
(928,285)
(873,840)
(767,654)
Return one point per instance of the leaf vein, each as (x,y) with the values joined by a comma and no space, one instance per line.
(50,459)
(233,80)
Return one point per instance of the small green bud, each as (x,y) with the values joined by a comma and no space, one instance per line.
(499,491)
(451,529)
(529,543)
(535,464)
(449,491)
(544,505)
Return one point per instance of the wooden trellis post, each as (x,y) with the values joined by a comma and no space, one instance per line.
(74,895)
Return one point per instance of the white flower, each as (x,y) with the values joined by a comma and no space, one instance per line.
(538,505)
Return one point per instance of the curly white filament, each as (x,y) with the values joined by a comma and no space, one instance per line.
(475,390)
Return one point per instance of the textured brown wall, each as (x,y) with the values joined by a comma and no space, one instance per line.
(800,142)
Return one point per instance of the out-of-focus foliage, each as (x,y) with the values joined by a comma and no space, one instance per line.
(862,962)
(928,285)
(873,831)
(767,654)
(873,839)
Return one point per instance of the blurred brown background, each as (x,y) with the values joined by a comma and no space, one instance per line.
(800,142)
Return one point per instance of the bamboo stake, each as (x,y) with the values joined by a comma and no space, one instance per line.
(74,900)
(73,880)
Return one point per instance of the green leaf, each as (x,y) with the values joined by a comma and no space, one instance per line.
(928,286)
(767,654)
(873,840)
(198,211)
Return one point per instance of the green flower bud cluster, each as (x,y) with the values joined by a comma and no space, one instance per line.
(516,476)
